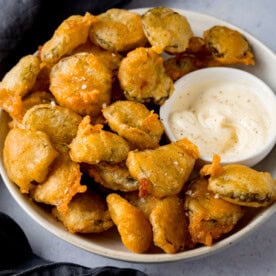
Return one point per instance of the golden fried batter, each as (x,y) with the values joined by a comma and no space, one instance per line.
(118,30)
(169,224)
(133,121)
(87,213)
(146,203)
(113,176)
(17,83)
(163,171)
(177,67)
(134,228)
(110,59)
(27,155)
(228,46)
(36,98)
(195,57)
(19,105)
(166,30)
(82,83)
(93,145)
(209,216)
(11,103)
(21,78)
(143,78)
(60,123)
(168,220)
(72,32)
(241,185)
(62,183)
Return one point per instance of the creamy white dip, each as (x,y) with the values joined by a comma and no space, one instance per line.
(225,119)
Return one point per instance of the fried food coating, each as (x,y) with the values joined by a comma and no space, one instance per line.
(72,32)
(195,57)
(27,155)
(118,30)
(168,220)
(21,78)
(87,213)
(62,183)
(241,185)
(110,59)
(27,102)
(93,145)
(113,176)
(60,123)
(228,46)
(177,67)
(82,83)
(163,171)
(135,122)
(134,229)
(35,98)
(166,30)
(17,83)
(143,78)
(169,225)
(146,203)
(210,217)
(11,103)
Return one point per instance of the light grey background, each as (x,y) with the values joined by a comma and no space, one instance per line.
(255,255)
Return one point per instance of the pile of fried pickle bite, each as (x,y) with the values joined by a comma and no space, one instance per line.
(85,136)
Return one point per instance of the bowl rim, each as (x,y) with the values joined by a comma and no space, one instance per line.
(42,219)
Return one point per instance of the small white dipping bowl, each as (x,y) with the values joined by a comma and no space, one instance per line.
(189,88)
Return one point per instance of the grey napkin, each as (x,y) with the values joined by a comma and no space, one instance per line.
(17,258)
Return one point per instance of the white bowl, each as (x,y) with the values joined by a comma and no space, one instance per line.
(108,244)
(213,112)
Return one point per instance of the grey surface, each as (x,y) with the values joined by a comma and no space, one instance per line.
(255,255)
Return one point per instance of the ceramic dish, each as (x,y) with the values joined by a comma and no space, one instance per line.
(109,244)
(188,89)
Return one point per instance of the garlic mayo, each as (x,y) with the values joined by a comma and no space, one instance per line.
(226,119)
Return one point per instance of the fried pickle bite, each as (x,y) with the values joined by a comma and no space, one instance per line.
(177,67)
(71,33)
(25,103)
(21,78)
(113,176)
(210,217)
(169,224)
(110,59)
(82,83)
(163,171)
(93,145)
(60,123)
(135,122)
(118,30)
(87,213)
(228,46)
(17,83)
(241,185)
(195,57)
(11,103)
(27,156)
(146,203)
(134,229)
(143,78)
(62,183)
(167,218)
(166,30)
